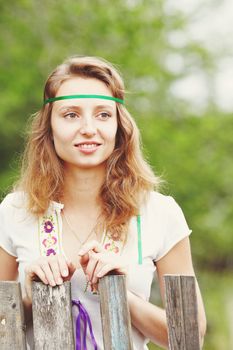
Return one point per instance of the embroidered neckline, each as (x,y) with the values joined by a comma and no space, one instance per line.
(50,235)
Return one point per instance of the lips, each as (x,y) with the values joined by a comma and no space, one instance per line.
(87,145)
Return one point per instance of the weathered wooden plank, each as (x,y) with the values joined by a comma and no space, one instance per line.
(181,310)
(174,313)
(115,315)
(52,317)
(12,325)
(190,312)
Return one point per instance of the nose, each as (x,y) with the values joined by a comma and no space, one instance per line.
(88,127)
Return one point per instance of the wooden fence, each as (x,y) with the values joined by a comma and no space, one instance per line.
(52,317)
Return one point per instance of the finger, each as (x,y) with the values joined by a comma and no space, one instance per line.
(92,263)
(83,261)
(31,274)
(110,268)
(92,245)
(63,266)
(54,267)
(71,269)
(99,266)
(94,288)
(45,266)
(35,272)
(104,270)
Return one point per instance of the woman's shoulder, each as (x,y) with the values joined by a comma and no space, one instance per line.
(18,201)
(165,223)
(13,200)
(164,205)
(159,199)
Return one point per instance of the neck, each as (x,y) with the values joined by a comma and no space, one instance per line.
(82,187)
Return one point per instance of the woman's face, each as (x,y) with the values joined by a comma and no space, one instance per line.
(84,129)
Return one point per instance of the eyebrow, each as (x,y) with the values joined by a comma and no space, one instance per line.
(79,108)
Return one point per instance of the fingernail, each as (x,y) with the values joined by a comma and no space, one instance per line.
(81,252)
(64,273)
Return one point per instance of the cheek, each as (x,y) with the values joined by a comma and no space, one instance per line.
(111,137)
(60,137)
(61,141)
(110,140)
(60,133)
(110,133)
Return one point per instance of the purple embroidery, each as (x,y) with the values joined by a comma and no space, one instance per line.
(50,241)
(112,247)
(49,234)
(50,252)
(48,226)
(85,319)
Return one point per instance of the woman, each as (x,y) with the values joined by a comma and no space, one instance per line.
(89,196)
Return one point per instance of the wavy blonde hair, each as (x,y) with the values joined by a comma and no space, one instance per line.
(128,177)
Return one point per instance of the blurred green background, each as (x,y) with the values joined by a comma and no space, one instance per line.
(188,142)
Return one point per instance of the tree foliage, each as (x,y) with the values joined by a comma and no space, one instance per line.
(192,152)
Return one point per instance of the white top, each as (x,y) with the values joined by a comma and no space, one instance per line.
(162,226)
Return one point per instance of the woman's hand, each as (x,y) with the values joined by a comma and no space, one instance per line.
(51,270)
(96,262)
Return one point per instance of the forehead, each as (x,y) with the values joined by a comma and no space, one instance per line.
(78,85)
(84,86)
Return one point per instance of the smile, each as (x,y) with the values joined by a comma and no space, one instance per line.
(87,145)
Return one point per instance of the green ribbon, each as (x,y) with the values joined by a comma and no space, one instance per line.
(139,240)
(68,97)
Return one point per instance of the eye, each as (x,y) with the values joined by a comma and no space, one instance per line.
(103,116)
(71,115)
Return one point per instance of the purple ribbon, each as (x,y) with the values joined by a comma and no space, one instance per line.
(83,317)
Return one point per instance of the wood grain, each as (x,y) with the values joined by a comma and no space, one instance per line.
(52,317)
(115,315)
(181,311)
(12,326)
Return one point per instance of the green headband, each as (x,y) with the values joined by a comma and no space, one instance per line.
(103,97)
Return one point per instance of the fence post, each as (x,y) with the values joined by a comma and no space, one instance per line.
(115,315)
(52,317)
(12,324)
(182,312)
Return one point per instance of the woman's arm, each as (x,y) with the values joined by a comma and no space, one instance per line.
(9,272)
(150,320)
(179,261)
(8,266)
